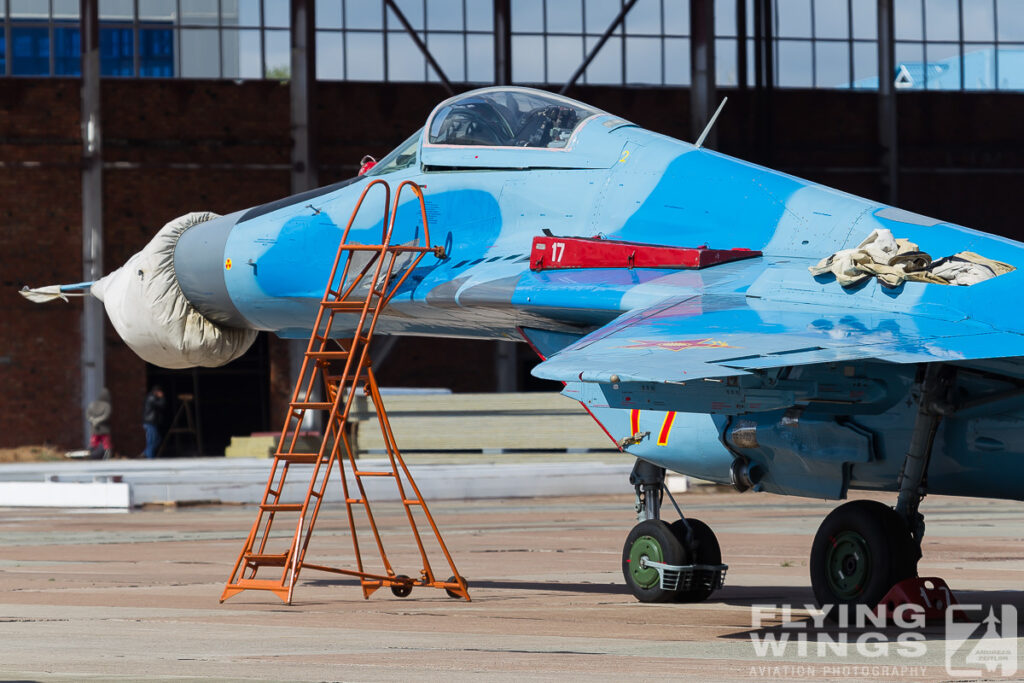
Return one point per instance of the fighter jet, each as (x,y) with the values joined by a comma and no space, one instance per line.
(717,318)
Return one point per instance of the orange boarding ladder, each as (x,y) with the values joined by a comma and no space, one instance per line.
(366,284)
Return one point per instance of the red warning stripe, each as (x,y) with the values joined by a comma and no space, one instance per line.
(634,422)
(666,427)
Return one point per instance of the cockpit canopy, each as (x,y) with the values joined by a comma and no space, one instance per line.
(507,117)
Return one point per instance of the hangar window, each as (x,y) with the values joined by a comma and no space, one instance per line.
(507,117)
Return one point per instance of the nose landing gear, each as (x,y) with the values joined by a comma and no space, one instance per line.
(662,562)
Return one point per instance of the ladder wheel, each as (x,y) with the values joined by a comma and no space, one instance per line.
(402,590)
(450,592)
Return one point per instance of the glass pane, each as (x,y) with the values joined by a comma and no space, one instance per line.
(328,13)
(117,52)
(865,65)
(643,61)
(447,50)
(677,61)
(30,51)
(599,14)
(793,18)
(67,51)
(979,20)
(677,19)
(565,16)
(1011,19)
(725,17)
(480,56)
(240,13)
(117,10)
(943,66)
(726,65)
(832,64)
(606,68)
(831,19)
(200,53)
(241,50)
(942,19)
(62,9)
(199,12)
(413,11)
(644,18)
(29,9)
(527,16)
(405,61)
(276,14)
(444,15)
(527,59)
(907,20)
(865,20)
(979,69)
(364,14)
(277,55)
(1011,69)
(157,10)
(565,54)
(793,64)
(479,15)
(364,56)
(156,53)
(330,56)
(909,66)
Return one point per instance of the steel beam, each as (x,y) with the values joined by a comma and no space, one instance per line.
(888,121)
(421,45)
(502,43)
(703,94)
(92,356)
(302,87)
(619,18)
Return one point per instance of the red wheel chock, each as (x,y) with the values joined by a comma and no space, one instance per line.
(929,592)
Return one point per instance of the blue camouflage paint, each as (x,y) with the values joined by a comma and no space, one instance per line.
(759,343)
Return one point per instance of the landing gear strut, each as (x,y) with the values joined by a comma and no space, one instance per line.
(864,547)
(662,562)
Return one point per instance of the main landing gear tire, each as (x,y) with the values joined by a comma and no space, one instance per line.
(861,550)
(704,549)
(654,540)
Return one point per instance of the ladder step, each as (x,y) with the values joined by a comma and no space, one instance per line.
(374,474)
(299,458)
(354,306)
(312,405)
(267,560)
(281,507)
(327,355)
(258,584)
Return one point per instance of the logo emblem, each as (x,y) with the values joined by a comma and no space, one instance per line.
(978,649)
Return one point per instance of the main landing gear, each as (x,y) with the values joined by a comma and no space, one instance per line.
(863,548)
(662,562)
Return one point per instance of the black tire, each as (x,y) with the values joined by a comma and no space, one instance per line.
(402,590)
(861,550)
(704,550)
(450,592)
(652,539)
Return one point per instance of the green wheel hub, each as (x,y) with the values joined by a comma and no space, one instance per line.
(645,546)
(848,565)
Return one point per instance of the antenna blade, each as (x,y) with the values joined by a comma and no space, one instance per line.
(707,128)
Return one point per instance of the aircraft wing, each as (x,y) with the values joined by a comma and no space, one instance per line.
(720,336)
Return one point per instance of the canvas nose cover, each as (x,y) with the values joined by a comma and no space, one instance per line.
(147,307)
